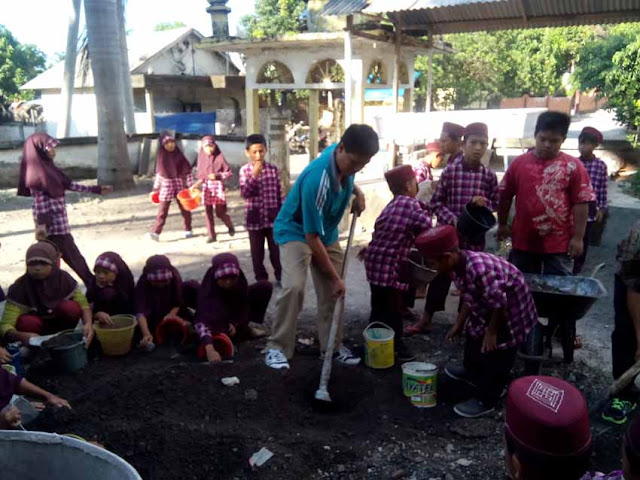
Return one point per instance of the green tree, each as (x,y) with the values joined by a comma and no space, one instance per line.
(622,84)
(169,26)
(594,59)
(273,18)
(488,66)
(18,64)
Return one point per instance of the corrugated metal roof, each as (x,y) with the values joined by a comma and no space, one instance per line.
(454,16)
(344,7)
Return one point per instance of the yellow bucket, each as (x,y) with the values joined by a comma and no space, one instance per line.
(116,339)
(378,345)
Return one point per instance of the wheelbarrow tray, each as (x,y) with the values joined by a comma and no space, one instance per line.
(564,297)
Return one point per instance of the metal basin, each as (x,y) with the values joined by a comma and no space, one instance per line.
(38,455)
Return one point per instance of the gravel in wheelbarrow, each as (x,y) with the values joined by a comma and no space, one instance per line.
(567,297)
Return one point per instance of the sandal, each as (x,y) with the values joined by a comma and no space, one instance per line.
(411,330)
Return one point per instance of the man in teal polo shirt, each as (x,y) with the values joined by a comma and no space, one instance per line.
(307,232)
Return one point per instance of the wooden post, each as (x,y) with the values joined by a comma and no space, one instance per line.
(148,98)
(348,79)
(252,124)
(396,68)
(279,151)
(314,107)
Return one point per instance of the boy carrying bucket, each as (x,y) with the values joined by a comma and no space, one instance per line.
(385,258)
(497,314)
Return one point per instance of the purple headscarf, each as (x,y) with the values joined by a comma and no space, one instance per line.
(124,287)
(171,164)
(208,164)
(42,296)
(37,170)
(217,307)
(155,302)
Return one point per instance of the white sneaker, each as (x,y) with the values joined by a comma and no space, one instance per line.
(187,234)
(153,236)
(344,355)
(276,359)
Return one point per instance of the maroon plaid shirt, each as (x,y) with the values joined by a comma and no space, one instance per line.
(488,283)
(170,187)
(262,196)
(458,185)
(400,222)
(597,171)
(214,191)
(52,212)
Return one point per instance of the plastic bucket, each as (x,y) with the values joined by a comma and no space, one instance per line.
(189,199)
(37,455)
(475,221)
(116,339)
(155,197)
(420,383)
(69,358)
(378,345)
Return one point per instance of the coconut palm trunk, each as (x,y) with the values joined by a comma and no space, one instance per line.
(103,33)
(64,122)
(127,96)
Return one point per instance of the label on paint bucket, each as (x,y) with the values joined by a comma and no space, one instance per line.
(420,383)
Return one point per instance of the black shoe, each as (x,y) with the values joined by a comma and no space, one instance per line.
(211,239)
(404,354)
(232,231)
(472,408)
(459,374)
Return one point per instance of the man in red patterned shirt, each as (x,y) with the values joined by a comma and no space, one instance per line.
(262,193)
(395,230)
(552,191)
(497,314)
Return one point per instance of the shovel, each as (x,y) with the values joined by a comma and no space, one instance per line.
(322,393)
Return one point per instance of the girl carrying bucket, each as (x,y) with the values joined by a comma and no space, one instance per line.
(173,174)
(226,305)
(213,171)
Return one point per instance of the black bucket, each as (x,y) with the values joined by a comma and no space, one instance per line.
(474,222)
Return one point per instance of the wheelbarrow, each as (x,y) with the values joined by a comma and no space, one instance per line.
(563,300)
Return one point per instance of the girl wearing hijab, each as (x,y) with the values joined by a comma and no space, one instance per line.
(226,304)
(44,300)
(112,290)
(173,174)
(41,179)
(159,298)
(213,171)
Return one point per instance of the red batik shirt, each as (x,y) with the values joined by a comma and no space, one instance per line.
(400,222)
(262,196)
(545,191)
(52,212)
(487,283)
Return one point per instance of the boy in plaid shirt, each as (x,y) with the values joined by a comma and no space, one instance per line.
(395,230)
(588,141)
(497,314)
(262,193)
(462,182)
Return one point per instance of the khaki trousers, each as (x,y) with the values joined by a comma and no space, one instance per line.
(296,260)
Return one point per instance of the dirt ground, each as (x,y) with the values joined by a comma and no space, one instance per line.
(170,416)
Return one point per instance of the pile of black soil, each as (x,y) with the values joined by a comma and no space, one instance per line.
(173,418)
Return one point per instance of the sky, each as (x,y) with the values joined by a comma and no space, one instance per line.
(48,29)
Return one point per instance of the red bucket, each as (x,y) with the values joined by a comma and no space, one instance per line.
(223,345)
(189,199)
(155,197)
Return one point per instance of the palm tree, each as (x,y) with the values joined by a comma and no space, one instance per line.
(103,32)
(127,94)
(64,122)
